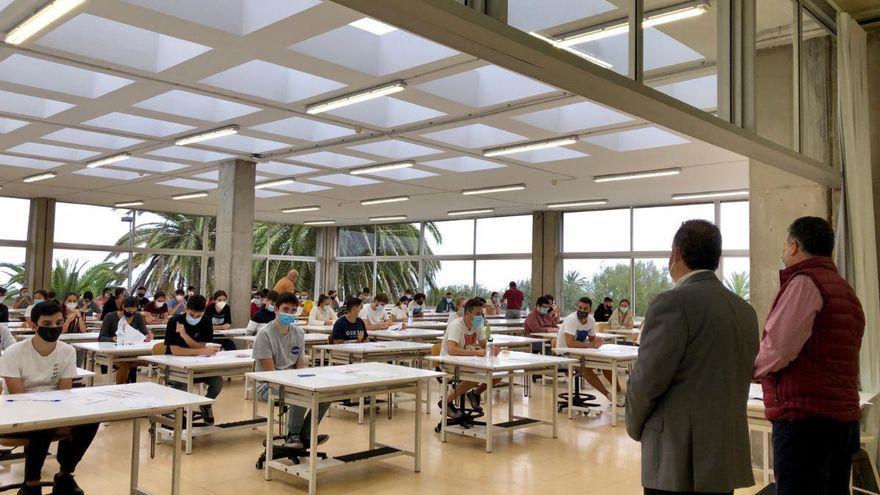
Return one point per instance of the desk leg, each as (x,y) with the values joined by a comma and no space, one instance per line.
(510,395)
(313,448)
(417,459)
(270,425)
(553,402)
(489,407)
(253,384)
(135,453)
(175,456)
(189,414)
(444,410)
(110,375)
(765,471)
(613,393)
(571,378)
(361,410)
(372,422)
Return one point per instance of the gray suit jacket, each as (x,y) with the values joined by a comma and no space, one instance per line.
(686,400)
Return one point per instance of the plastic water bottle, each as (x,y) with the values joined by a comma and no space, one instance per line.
(490,352)
(120,336)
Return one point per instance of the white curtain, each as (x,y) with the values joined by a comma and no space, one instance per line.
(861,257)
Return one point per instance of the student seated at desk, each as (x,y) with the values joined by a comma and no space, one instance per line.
(39,296)
(458,311)
(335,303)
(74,321)
(114,304)
(187,335)
(126,372)
(266,313)
(305,303)
(495,307)
(350,327)
(221,317)
(540,321)
(157,309)
(621,318)
(323,313)
(178,304)
(446,305)
(142,298)
(87,304)
(257,301)
(23,300)
(554,308)
(280,345)
(6,338)
(105,296)
(417,305)
(578,330)
(374,315)
(39,364)
(465,337)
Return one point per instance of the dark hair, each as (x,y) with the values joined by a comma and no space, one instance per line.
(41,292)
(550,297)
(607,299)
(476,302)
(45,309)
(331,291)
(287,298)
(142,287)
(191,287)
(51,295)
(158,293)
(2,290)
(449,293)
(586,300)
(353,302)
(264,292)
(118,291)
(74,294)
(481,299)
(381,297)
(197,302)
(542,300)
(402,299)
(272,296)
(814,235)
(624,300)
(366,290)
(494,294)
(179,292)
(219,293)
(105,290)
(513,284)
(699,244)
(88,295)
(420,295)
(130,302)
(322,298)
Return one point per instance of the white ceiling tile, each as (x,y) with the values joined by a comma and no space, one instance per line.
(19,161)
(118,43)
(280,168)
(463,164)
(636,139)
(344,180)
(192,105)
(485,86)
(331,159)
(109,173)
(239,17)
(265,193)
(246,144)
(145,164)
(138,125)
(52,76)
(396,149)
(700,92)
(214,175)
(404,174)
(661,50)
(474,136)
(386,112)
(304,129)
(275,82)
(547,155)
(184,153)
(9,125)
(50,151)
(4,4)
(93,139)
(528,15)
(373,26)
(189,184)
(302,187)
(573,117)
(31,105)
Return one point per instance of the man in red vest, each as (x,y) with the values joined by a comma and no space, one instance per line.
(808,365)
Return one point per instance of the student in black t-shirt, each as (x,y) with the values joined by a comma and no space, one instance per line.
(142,298)
(114,304)
(221,317)
(350,326)
(4,310)
(266,314)
(603,312)
(188,335)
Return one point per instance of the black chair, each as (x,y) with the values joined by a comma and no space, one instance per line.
(280,451)
(11,453)
(579,399)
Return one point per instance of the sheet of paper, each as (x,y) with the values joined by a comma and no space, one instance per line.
(396,327)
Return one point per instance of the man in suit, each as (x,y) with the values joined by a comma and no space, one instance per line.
(686,400)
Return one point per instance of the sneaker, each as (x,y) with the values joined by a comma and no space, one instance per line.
(207,414)
(30,490)
(474,399)
(307,442)
(451,410)
(294,442)
(65,485)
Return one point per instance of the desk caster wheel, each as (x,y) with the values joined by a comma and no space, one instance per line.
(559,409)
(437,429)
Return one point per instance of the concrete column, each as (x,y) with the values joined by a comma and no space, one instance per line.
(873,66)
(776,199)
(546,246)
(41,236)
(233,252)
(329,267)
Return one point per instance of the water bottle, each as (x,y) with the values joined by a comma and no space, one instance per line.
(490,352)
(120,335)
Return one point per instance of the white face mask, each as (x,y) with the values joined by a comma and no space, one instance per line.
(326,307)
(256,301)
(2,298)
(180,298)
(159,304)
(220,305)
(71,305)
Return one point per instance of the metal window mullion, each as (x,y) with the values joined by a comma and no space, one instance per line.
(125,249)
(11,243)
(636,37)
(632,262)
(203,268)
(797,97)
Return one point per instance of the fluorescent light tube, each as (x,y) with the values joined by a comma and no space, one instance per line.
(710,194)
(458,213)
(204,136)
(190,195)
(42,18)
(388,219)
(39,177)
(372,169)
(673,15)
(378,201)
(583,55)
(352,98)
(301,209)
(274,183)
(320,222)
(126,204)
(570,204)
(494,189)
(107,161)
(637,175)
(534,145)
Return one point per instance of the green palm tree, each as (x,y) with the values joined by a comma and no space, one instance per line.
(69,276)
(738,283)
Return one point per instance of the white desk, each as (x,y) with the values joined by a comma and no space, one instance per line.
(508,330)
(515,341)
(612,357)
(13,324)
(427,325)
(231,333)
(98,404)
(79,337)
(322,329)
(311,340)
(611,338)
(505,322)
(481,370)
(410,334)
(108,353)
(309,387)
(186,369)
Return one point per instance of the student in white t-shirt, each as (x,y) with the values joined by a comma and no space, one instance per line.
(39,364)
(398,312)
(374,315)
(458,310)
(578,329)
(6,338)
(323,313)
(417,305)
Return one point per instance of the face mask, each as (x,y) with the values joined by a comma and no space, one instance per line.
(49,334)
(270,308)
(477,321)
(179,298)
(326,307)
(71,305)
(286,318)
(543,311)
(220,305)
(624,309)
(256,301)
(582,315)
(129,314)
(193,321)
(380,308)
(449,299)
(2,298)
(159,304)
(37,301)
(141,294)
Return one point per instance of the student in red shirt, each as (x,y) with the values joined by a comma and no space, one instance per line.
(514,298)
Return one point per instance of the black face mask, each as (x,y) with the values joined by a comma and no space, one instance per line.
(583,314)
(128,314)
(141,294)
(49,334)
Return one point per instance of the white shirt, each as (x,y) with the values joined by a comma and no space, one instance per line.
(452,317)
(459,333)
(6,338)
(373,316)
(38,373)
(412,306)
(689,275)
(399,313)
(572,326)
(317,316)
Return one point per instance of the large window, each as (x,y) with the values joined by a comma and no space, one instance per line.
(281,247)
(596,279)
(13,243)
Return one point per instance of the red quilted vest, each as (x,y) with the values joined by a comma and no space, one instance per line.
(823,381)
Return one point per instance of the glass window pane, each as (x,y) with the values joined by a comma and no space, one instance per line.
(654,228)
(13,270)
(75,270)
(306,269)
(735,225)
(736,275)
(88,224)
(504,235)
(595,231)
(258,273)
(595,279)
(354,277)
(165,230)
(15,218)
(356,241)
(450,276)
(394,277)
(652,278)
(168,272)
(774,71)
(819,91)
(496,275)
(285,239)
(450,237)
(399,239)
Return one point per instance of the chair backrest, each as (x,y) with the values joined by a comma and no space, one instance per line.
(159,348)
(601,326)
(435,349)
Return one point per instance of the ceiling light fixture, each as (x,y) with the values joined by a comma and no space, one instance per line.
(373,26)
(571,204)
(42,18)
(378,201)
(583,55)
(388,219)
(274,183)
(301,209)
(494,189)
(352,98)
(647,174)
(534,145)
(107,161)
(320,222)
(126,204)
(39,177)
(458,213)
(193,195)
(665,16)
(204,136)
(384,167)
(710,194)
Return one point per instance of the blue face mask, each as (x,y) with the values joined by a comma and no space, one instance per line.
(270,308)
(37,301)
(544,311)
(193,321)
(478,321)
(286,318)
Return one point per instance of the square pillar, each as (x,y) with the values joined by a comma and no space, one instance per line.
(546,248)
(233,251)
(41,236)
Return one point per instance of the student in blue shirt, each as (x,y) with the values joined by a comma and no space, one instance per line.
(350,327)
